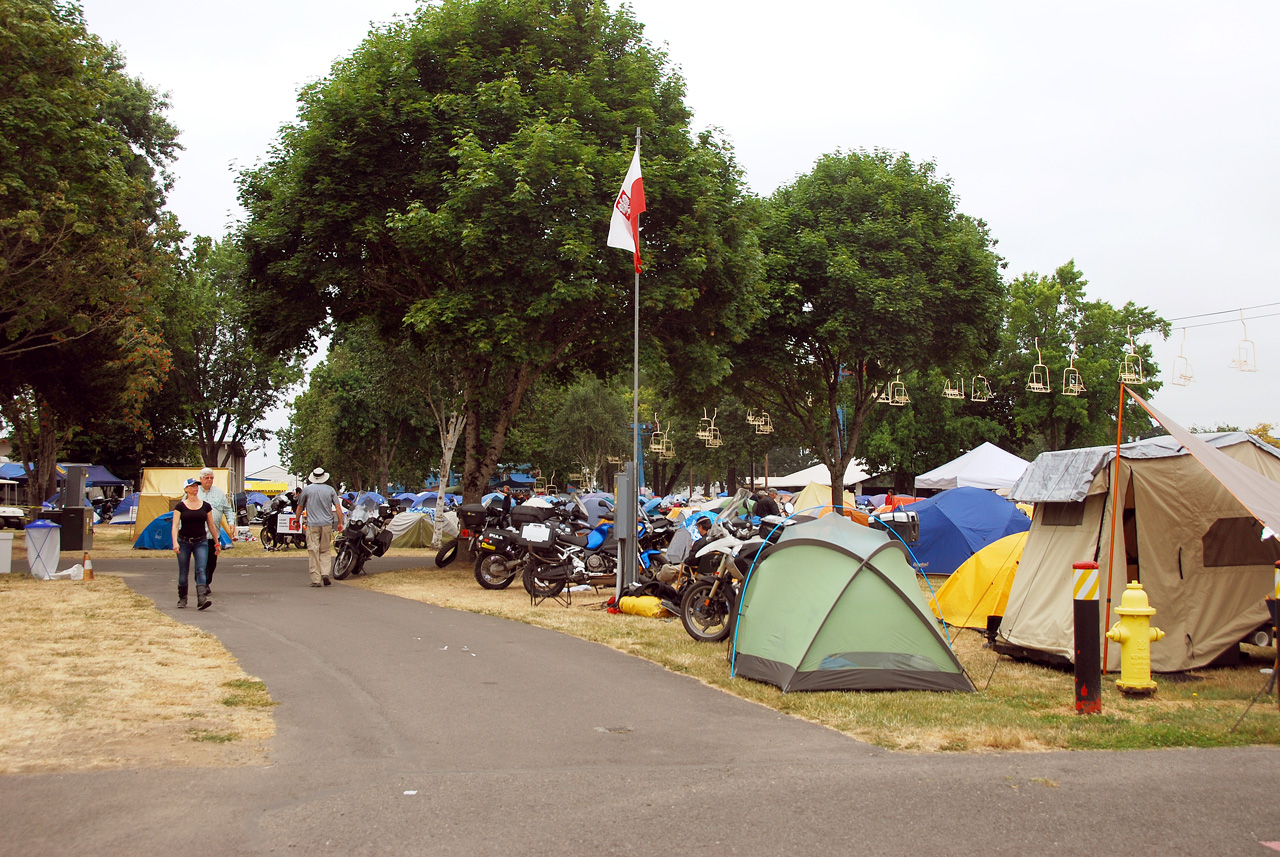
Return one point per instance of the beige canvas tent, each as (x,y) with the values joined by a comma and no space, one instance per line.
(815,501)
(411,530)
(1194,547)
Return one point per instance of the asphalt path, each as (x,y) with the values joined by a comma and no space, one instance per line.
(407,729)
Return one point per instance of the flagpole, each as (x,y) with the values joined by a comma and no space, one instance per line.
(630,559)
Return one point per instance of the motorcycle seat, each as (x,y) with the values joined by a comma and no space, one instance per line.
(572,539)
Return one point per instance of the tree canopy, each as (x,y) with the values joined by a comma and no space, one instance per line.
(83,237)
(871,271)
(454,175)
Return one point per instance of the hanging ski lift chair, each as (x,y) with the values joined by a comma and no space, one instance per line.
(953,391)
(1131,365)
(1181,370)
(1038,380)
(764,425)
(979,389)
(1072,383)
(1246,359)
(713,439)
(707,424)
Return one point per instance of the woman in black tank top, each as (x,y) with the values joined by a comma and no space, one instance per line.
(193,527)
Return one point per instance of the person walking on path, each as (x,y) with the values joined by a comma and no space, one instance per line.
(217,499)
(192,526)
(321,511)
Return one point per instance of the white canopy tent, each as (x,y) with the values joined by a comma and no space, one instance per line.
(853,475)
(986,466)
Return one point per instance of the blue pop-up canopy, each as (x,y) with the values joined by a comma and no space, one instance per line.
(956,524)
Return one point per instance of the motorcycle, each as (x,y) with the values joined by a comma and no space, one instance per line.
(365,535)
(272,536)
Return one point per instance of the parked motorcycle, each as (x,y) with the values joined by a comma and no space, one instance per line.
(278,529)
(365,535)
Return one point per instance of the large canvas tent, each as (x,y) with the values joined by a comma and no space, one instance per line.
(986,466)
(1194,547)
(959,522)
(815,501)
(836,606)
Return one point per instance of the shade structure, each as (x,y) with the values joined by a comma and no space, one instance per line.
(853,475)
(836,606)
(985,466)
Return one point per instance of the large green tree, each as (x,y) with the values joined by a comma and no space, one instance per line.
(455,175)
(872,271)
(1055,312)
(83,153)
(224,384)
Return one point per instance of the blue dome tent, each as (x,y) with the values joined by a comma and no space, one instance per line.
(957,523)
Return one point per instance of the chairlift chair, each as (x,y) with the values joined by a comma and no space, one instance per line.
(979,389)
(953,391)
(1131,365)
(1038,380)
(1246,359)
(1181,370)
(764,425)
(752,419)
(898,393)
(713,439)
(1072,383)
(707,424)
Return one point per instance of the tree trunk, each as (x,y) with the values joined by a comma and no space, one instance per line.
(449,434)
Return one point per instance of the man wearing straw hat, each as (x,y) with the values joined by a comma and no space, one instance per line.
(321,511)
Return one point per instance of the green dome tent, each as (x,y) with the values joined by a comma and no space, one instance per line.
(836,606)
(410,530)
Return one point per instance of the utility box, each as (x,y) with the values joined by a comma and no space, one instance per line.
(77,528)
(6,552)
(902,522)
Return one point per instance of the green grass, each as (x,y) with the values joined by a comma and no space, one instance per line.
(1018,706)
(249,693)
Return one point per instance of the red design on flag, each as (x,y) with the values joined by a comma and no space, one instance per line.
(624,224)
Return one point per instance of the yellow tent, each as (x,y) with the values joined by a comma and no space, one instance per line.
(815,501)
(980,587)
(162,488)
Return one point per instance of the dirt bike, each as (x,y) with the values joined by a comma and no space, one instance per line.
(364,536)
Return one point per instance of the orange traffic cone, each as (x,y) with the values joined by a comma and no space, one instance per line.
(88,567)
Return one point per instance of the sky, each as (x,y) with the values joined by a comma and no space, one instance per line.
(1137,138)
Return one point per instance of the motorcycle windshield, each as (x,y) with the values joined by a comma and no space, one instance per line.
(365,508)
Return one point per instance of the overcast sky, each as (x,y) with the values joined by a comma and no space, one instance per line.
(1138,138)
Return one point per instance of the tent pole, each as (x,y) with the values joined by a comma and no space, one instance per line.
(1115,502)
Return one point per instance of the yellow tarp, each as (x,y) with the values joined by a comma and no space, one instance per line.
(980,587)
(162,486)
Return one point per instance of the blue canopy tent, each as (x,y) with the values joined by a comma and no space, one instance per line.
(158,535)
(957,523)
(121,514)
(256,497)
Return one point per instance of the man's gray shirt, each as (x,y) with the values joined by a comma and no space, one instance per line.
(318,500)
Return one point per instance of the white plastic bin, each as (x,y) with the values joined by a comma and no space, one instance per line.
(6,552)
(44,543)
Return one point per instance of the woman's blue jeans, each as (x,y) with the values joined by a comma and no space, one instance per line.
(187,550)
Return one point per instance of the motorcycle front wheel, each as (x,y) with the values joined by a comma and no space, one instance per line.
(539,588)
(344,562)
(708,618)
(494,571)
(447,554)
(266,538)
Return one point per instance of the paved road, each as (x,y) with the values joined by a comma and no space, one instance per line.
(406,729)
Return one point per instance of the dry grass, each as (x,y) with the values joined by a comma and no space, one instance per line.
(93,676)
(1019,706)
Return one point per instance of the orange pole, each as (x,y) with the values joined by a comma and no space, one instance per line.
(1115,502)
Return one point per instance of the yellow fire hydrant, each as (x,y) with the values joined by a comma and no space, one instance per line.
(1135,635)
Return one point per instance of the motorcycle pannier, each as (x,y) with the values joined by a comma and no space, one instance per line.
(534,525)
(382,541)
(472,516)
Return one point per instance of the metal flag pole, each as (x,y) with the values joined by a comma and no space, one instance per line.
(629,484)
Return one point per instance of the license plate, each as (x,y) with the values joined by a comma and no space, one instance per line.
(535,532)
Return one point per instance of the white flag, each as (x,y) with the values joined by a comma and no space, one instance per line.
(624,225)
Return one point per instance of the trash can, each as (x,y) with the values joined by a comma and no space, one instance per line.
(44,543)
(6,552)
